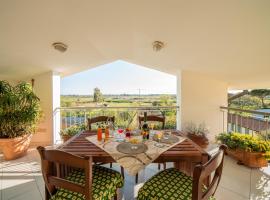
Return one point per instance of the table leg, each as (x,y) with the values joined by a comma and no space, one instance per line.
(175,165)
(184,166)
(122,172)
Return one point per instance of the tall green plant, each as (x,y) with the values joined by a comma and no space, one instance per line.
(19,110)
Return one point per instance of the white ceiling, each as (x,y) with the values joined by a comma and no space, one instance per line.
(227,39)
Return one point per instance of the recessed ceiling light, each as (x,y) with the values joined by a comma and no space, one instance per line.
(59,46)
(158,45)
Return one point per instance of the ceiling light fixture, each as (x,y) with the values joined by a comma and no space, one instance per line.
(158,45)
(59,46)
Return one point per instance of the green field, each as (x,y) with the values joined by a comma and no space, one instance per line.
(124,117)
(119,100)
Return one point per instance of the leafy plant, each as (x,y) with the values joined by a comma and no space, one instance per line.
(261,94)
(72,130)
(198,130)
(19,110)
(244,142)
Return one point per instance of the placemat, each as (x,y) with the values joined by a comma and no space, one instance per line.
(133,163)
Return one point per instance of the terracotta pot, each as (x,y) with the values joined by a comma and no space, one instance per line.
(66,137)
(255,159)
(250,159)
(15,147)
(200,140)
(237,154)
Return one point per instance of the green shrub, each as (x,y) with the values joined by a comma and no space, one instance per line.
(244,142)
(19,110)
(72,130)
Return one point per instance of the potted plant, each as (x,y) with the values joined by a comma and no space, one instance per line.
(19,115)
(69,132)
(249,150)
(197,133)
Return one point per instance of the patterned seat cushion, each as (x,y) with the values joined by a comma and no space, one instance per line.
(169,184)
(104,185)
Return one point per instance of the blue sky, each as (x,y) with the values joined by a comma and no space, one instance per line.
(117,78)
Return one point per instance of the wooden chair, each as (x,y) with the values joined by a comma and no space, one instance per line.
(154,118)
(68,176)
(99,119)
(181,186)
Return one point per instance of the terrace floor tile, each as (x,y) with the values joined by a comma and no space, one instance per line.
(22,179)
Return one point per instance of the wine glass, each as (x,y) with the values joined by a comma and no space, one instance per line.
(159,135)
(152,125)
(151,133)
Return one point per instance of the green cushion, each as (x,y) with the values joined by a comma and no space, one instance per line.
(169,184)
(104,185)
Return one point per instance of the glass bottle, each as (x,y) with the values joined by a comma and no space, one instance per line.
(145,128)
(128,134)
(99,134)
(107,133)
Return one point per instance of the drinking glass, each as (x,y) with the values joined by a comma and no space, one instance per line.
(167,134)
(159,136)
(151,132)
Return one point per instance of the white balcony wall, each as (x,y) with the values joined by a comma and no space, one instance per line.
(201,97)
(46,90)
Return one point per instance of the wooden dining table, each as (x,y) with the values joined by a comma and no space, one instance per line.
(185,155)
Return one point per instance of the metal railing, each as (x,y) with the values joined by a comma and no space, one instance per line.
(124,116)
(245,121)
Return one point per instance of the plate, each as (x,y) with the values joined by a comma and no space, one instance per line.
(128,148)
(168,139)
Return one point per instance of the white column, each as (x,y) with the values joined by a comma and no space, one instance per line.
(43,87)
(201,98)
(178,100)
(56,79)
(47,88)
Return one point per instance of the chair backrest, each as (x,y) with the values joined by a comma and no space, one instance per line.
(99,119)
(153,118)
(202,172)
(56,165)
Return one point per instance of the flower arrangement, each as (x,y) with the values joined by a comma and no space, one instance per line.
(197,133)
(198,130)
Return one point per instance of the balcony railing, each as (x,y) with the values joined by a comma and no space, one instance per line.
(124,116)
(245,121)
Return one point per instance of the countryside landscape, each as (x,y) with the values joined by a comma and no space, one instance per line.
(96,104)
(124,117)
